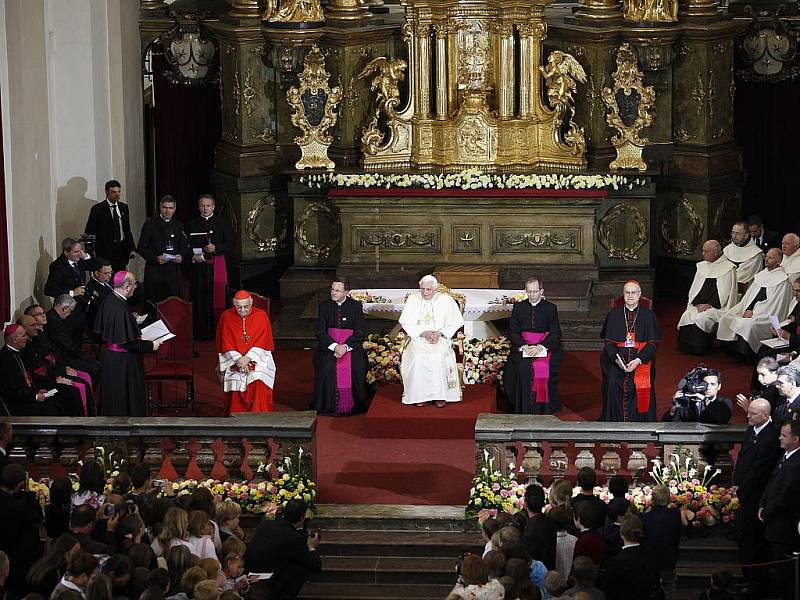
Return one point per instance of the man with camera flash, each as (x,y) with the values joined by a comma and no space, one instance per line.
(698,401)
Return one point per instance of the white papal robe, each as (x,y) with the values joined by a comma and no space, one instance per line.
(724,271)
(748,259)
(429,371)
(757,327)
(791,264)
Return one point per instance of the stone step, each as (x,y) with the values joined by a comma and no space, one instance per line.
(391,517)
(399,543)
(406,591)
(387,569)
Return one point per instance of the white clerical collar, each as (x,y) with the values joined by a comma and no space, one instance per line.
(535,303)
(71,263)
(10,347)
(163,219)
(120,295)
(342,302)
(629,546)
(789,454)
(209,217)
(757,430)
(631,309)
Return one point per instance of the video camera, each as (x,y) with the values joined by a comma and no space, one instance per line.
(691,384)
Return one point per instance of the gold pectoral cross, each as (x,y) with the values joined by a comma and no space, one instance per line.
(245,337)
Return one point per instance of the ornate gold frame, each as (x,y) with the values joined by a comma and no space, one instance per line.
(311,250)
(315,139)
(627,141)
(251,225)
(625,212)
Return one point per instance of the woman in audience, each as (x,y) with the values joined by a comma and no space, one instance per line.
(99,588)
(174,532)
(201,499)
(200,532)
(92,485)
(227,517)
(142,555)
(565,542)
(560,492)
(56,513)
(46,572)
(474,583)
(179,560)
(80,568)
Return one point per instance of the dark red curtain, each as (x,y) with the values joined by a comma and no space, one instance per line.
(188,123)
(768,130)
(5,283)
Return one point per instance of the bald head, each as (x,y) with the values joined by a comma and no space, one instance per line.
(758,412)
(773,258)
(712,250)
(790,244)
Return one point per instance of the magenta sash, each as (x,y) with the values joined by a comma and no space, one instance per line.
(115,347)
(220,284)
(344,374)
(540,367)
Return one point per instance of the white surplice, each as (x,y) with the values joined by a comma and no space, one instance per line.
(724,271)
(748,259)
(757,327)
(428,370)
(791,264)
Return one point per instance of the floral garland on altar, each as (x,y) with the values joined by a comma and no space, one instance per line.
(701,503)
(484,360)
(471,179)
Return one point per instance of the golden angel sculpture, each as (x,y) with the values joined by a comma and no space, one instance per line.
(562,73)
(294,11)
(389,73)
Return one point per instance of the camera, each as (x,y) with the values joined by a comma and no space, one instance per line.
(692,384)
(88,242)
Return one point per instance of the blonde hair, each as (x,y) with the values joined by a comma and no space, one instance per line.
(227,510)
(560,492)
(233,545)
(197,523)
(211,566)
(175,527)
(206,590)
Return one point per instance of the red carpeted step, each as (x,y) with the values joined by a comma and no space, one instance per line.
(388,417)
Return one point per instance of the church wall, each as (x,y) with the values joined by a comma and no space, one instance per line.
(73,118)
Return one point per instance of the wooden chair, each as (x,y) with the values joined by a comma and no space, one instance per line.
(261,302)
(174,359)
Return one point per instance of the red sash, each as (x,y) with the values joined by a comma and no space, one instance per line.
(220,284)
(344,374)
(540,367)
(641,380)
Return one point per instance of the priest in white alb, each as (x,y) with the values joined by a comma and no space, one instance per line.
(428,366)
(747,323)
(712,293)
(791,257)
(745,254)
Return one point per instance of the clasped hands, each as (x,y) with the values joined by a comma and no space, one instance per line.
(631,366)
(243,364)
(531,350)
(431,336)
(162,260)
(340,350)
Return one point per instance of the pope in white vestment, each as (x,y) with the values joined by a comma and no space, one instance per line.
(724,272)
(769,294)
(428,366)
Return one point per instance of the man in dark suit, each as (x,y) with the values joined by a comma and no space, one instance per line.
(534,329)
(763,238)
(788,384)
(67,276)
(280,546)
(755,462)
(340,364)
(20,515)
(629,575)
(109,221)
(708,407)
(662,530)
(541,533)
(779,508)
(66,344)
(98,287)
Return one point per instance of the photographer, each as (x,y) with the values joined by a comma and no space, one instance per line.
(697,399)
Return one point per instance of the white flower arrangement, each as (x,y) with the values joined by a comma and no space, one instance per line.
(471,179)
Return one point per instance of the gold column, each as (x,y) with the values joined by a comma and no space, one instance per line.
(538,33)
(505,79)
(347,12)
(422,40)
(525,69)
(440,29)
(245,9)
(452,69)
(599,10)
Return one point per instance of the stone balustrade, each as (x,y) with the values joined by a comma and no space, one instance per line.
(176,448)
(547,448)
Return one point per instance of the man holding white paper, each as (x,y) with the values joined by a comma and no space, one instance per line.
(787,333)
(122,369)
(163,246)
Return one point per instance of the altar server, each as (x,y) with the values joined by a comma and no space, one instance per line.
(428,365)
(245,345)
(713,292)
(748,321)
(531,374)
(340,364)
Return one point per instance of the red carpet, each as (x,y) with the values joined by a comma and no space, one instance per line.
(388,417)
(360,459)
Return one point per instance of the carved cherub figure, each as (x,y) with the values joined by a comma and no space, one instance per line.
(560,75)
(388,74)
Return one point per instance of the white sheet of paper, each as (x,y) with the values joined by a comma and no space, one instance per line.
(773,320)
(141,319)
(197,250)
(775,343)
(541,354)
(169,257)
(50,393)
(157,331)
(259,575)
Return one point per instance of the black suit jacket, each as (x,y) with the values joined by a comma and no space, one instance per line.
(62,337)
(769,239)
(662,530)
(279,548)
(780,508)
(755,462)
(62,278)
(717,412)
(19,535)
(539,539)
(784,412)
(546,320)
(101,225)
(629,575)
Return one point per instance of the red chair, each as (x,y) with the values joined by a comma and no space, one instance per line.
(643,300)
(174,359)
(261,302)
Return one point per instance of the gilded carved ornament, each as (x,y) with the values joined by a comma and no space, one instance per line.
(617,218)
(630,105)
(252,223)
(668,221)
(314,105)
(561,76)
(650,10)
(317,209)
(293,11)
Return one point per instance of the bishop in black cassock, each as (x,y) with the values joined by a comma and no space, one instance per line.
(630,331)
(162,235)
(340,323)
(212,236)
(518,377)
(122,370)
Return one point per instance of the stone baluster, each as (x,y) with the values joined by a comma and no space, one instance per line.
(584,456)
(559,461)
(638,465)
(610,461)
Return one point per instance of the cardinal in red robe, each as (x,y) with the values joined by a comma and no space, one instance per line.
(245,345)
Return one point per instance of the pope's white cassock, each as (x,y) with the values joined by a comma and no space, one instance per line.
(776,296)
(428,370)
(791,264)
(749,260)
(724,272)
